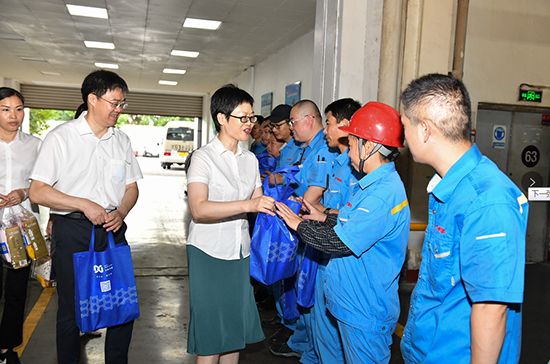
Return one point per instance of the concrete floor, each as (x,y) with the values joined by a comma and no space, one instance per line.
(157,229)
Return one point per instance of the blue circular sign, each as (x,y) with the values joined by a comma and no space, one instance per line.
(500,133)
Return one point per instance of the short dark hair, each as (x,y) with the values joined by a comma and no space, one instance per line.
(306,106)
(442,99)
(225,100)
(101,81)
(343,109)
(6,92)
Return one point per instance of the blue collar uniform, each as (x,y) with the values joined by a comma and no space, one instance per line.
(474,251)
(288,153)
(342,179)
(259,148)
(315,161)
(328,344)
(361,289)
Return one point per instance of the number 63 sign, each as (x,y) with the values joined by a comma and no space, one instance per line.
(530,156)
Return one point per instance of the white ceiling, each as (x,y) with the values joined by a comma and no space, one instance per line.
(144,33)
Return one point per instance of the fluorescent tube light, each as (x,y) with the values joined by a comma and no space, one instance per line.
(169,83)
(11,37)
(50,73)
(185,54)
(201,24)
(87,11)
(34,59)
(106,65)
(174,71)
(102,45)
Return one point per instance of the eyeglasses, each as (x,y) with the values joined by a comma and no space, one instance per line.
(245,119)
(114,104)
(278,126)
(292,122)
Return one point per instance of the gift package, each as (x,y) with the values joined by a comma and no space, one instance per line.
(20,238)
(42,269)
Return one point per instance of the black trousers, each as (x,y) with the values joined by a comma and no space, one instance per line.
(15,293)
(71,236)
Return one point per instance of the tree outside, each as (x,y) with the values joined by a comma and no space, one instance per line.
(39,119)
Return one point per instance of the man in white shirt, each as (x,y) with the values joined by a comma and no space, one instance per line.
(86,173)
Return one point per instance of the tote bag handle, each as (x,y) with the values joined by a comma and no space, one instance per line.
(289,172)
(110,239)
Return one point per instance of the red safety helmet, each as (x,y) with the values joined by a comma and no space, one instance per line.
(377,122)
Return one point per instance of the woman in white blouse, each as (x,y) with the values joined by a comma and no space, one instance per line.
(18,152)
(223,185)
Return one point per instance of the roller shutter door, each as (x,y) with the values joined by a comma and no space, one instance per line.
(68,98)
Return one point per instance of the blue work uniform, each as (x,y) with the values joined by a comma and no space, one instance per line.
(361,288)
(259,148)
(342,179)
(287,153)
(286,158)
(315,161)
(328,343)
(474,251)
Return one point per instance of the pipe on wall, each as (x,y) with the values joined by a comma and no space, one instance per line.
(460,39)
(391,52)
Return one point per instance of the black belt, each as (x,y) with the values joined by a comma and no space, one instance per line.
(76,215)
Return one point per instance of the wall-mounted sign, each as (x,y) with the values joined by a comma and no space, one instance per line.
(267,103)
(292,93)
(530,95)
(530,156)
(546,120)
(499,136)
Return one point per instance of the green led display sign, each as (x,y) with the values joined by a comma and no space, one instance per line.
(533,96)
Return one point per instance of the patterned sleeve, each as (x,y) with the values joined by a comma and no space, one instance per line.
(322,236)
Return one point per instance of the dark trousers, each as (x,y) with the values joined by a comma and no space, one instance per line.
(71,236)
(11,328)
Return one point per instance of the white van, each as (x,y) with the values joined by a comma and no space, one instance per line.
(178,142)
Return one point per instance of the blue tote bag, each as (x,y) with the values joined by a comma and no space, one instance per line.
(288,298)
(273,247)
(307,272)
(105,287)
(266,162)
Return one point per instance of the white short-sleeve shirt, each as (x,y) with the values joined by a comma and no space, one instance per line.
(75,161)
(16,161)
(230,177)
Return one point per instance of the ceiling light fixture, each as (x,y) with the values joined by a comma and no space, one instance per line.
(201,24)
(174,71)
(102,45)
(50,73)
(11,37)
(168,83)
(106,65)
(33,59)
(185,54)
(88,11)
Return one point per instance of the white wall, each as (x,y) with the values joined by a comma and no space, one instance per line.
(508,43)
(291,64)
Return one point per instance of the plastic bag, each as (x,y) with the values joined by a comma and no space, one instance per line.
(42,269)
(32,236)
(11,241)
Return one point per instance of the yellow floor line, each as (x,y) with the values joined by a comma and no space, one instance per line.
(34,317)
(399,330)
